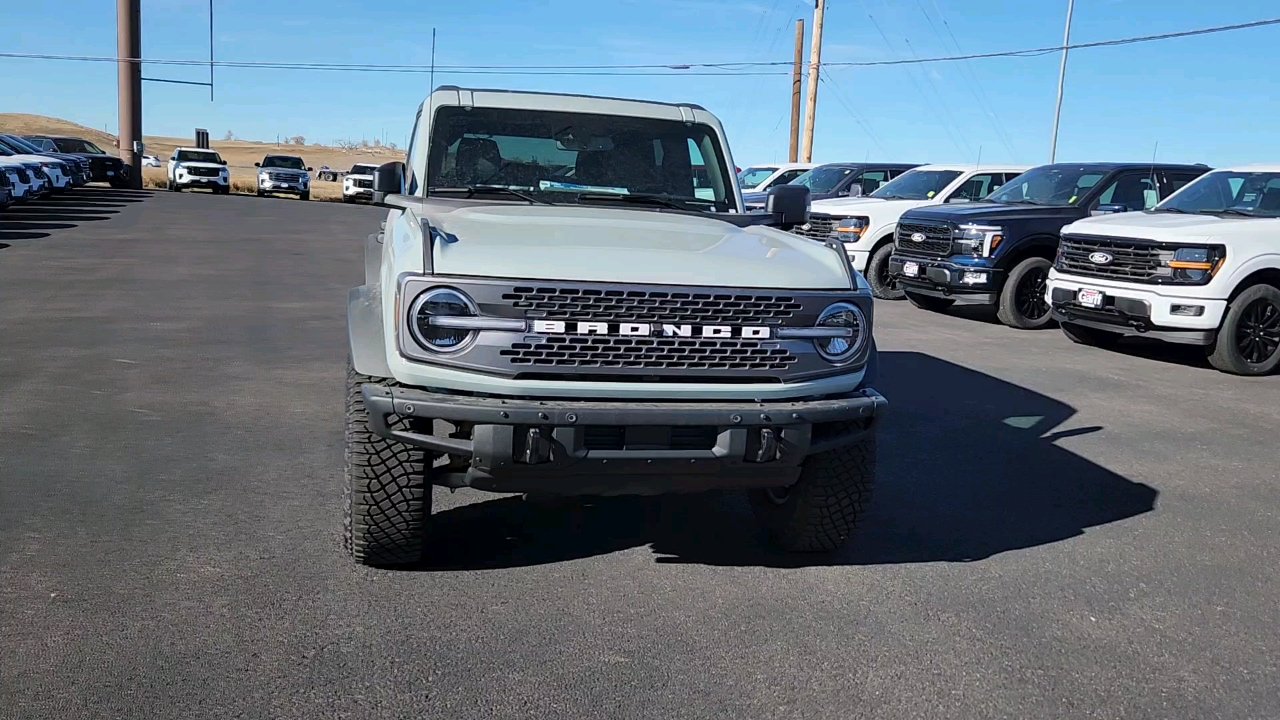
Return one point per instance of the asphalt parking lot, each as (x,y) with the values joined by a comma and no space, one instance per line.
(1059,531)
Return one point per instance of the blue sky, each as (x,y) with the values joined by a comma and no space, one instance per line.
(1208,99)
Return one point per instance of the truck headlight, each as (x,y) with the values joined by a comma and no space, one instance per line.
(843,347)
(1191,265)
(851,229)
(433,305)
(976,240)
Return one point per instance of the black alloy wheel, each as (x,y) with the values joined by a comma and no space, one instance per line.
(1023,303)
(1029,295)
(1258,332)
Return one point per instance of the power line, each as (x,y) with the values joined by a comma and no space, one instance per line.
(722,69)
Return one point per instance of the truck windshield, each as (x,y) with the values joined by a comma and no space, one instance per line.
(753,176)
(1231,192)
(76,145)
(283,161)
(362,169)
(1056,185)
(18,143)
(917,185)
(202,156)
(569,157)
(823,179)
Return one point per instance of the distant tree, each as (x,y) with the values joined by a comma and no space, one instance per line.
(297,140)
(347,145)
(392,146)
(377,142)
(229,136)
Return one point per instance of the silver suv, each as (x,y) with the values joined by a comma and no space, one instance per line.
(568,298)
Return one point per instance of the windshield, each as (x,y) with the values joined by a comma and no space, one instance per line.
(753,176)
(1229,191)
(564,156)
(362,169)
(917,185)
(18,144)
(823,179)
(1057,185)
(283,161)
(76,145)
(203,156)
(11,147)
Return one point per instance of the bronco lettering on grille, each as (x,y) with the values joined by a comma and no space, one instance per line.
(561,327)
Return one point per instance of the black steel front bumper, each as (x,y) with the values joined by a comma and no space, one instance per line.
(941,278)
(530,446)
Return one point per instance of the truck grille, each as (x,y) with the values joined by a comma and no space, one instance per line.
(23,176)
(283,177)
(1136,260)
(361,183)
(562,351)
(937,238)
(818,228)
(203,172)
(607,305)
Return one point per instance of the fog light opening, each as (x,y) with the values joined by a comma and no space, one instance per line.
(974,278)
(1187,310)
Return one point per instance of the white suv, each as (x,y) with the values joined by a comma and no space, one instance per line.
(358,184)
(1201,268)
(866,225)
(198,168)
(759,178)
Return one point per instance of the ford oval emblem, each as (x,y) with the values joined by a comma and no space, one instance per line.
(807,226)
(1100,258)
(918,237)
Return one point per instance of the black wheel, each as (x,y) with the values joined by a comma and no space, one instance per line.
(929,302)
(821,510)
(1249,340)
(1082,335)
(260,193)
(1022,303)
(882,286)
(174,186)
(304,196)
(346,199)
(386,498)
(223,190)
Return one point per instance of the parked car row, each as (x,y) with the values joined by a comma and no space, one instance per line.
(28,172)
(1179,253)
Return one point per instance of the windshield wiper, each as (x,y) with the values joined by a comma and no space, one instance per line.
(641,199)
(1234,211)
(473,190)
(1022,202)
(1180,211)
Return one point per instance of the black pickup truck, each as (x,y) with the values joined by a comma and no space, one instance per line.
(999,251)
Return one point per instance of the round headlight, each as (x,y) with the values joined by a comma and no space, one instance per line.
(441,302)
(841,349)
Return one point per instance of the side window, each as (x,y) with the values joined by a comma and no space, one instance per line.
(415,158)
(1135,191)
(977,187)
(1175,181)
(786,177)
(871,181)
(702,186)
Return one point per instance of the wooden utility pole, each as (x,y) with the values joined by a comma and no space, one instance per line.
(129,85)
(794,153)
(815,60)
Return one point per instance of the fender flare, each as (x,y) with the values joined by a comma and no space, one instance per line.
(364,331)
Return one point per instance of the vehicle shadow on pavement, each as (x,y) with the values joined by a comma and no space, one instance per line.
(40,218)
(968,469)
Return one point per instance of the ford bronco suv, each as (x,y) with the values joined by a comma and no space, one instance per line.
(998,252)
(554,306)
(866,225)
(1202,268)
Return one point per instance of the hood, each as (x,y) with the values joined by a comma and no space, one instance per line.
(964,213)
(873,208)
(1161,226)
(359,177)
(593,244)
(27,158)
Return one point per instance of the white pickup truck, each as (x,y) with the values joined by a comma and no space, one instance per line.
(1201,268)
(865,225)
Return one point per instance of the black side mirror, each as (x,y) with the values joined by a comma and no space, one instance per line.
(388,179)
(257,164)
(788,204)
(308,169)
(222,162)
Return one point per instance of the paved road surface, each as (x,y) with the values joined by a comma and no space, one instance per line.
(1060,532)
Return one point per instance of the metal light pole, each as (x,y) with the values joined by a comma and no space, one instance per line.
(1062,76)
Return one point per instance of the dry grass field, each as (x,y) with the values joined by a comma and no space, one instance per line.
(239,154)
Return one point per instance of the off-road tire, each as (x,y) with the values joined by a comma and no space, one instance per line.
(821,510)
(1015,308)
(1092,337)
(386,498)
(882,286)
(929,302)
(1226,353)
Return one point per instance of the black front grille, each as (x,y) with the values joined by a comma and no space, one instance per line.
(1136,260)
(819,228)
(23,176)
(203,172)
(936,238)
(361,183)
(608,305)
(283,177)
(5,181)
(38,173)
(599,352)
